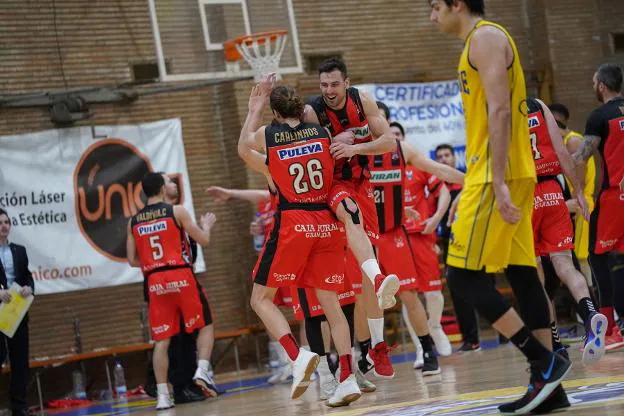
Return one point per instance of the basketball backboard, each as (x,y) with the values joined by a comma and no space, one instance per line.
(189,35)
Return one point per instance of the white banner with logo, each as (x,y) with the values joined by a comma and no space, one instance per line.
(432,113)
(70,193)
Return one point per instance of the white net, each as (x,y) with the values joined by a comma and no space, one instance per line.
(263,55)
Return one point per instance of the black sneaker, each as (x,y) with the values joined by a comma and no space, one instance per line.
(468,346)
(430,365)
(546,375)
(563,351)
(364,365)
(557,400)
(188,394)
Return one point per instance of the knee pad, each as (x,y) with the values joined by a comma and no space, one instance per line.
(476,289)
(530,295)
(315,335)
(355,213)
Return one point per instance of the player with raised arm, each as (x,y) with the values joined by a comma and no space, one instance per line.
(359,130)
(306,244)
(158,244)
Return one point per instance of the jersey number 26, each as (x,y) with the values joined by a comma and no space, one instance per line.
(314,178)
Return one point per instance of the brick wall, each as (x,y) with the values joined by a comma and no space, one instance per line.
(391,41)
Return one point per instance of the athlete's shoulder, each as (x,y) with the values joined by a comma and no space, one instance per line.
(317,104)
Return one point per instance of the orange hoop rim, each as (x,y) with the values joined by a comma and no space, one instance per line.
(229,47)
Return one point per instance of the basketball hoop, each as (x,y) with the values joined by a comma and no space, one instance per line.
(262,60)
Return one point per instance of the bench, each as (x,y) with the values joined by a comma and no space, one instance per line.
(42,364)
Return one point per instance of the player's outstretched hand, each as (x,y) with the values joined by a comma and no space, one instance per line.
(220,195)
(267,83)
(341,150)
(207,221)
(509,212)
(257,99)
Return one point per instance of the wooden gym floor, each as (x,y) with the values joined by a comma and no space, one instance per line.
(470,384)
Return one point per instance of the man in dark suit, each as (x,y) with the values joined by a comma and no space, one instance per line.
(14,268)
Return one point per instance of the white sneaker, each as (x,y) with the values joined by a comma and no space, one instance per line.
(304,366)
(164,402)
(595,343)
(441,341)
(203,380)
(327,381)
(385,289)
(286,373)
(347,392)
(365,385)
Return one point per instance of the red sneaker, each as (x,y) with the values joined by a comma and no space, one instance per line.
(385,289)
(614,341)
(379,358)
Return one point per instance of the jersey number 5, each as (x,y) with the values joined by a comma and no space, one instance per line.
(157,248)
(536,154)
(314,170)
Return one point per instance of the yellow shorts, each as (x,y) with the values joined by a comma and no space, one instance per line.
(479,236)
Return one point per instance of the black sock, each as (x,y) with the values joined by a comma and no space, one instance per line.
(363,363)
(426,343)
(364,347)
(556,341)
(529,345)
(586,309)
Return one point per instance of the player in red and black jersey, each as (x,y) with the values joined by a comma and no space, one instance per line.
(306,243)
(604,134)
(353,120)
(553,231)
(157,242)
(390,177)
(182,347)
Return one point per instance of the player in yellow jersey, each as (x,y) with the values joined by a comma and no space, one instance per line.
(492,229)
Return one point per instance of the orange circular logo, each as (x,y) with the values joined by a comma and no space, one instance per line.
(107,187)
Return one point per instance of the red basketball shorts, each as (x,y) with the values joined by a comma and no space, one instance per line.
(395,257)
(362,193)
(283,297)
(305,249)
(552,226)
(171,293)
(426,261)
(307,305)
(606,227)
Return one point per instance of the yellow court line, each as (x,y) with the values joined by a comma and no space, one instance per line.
(480,395)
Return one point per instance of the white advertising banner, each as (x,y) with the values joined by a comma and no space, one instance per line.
(70,193)
(432,113)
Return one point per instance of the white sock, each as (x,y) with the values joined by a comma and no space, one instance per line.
(371,269)
(203,364)
(376,327)
(162,389)
(435,306)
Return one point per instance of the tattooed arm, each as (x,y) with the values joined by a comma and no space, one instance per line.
(584,152)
